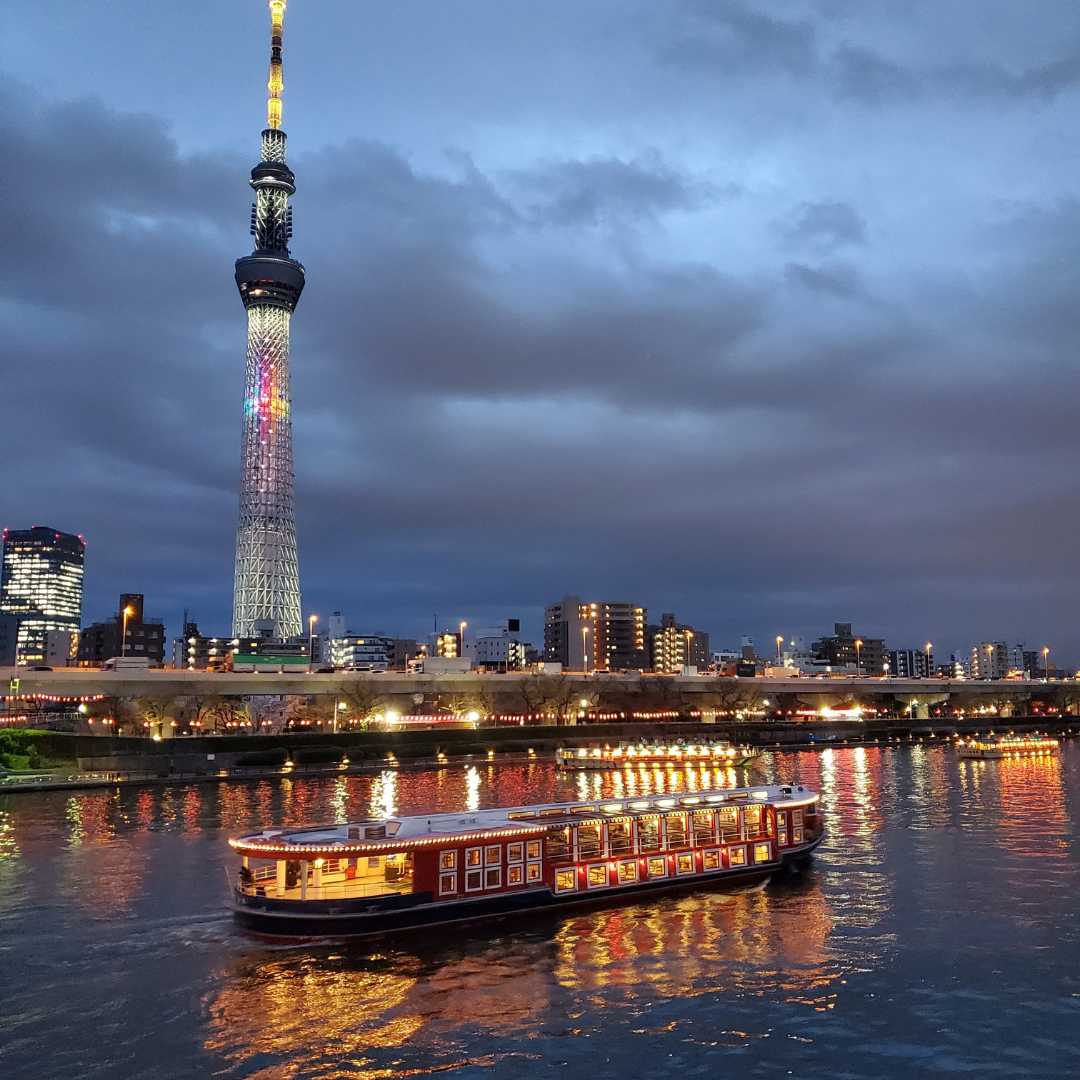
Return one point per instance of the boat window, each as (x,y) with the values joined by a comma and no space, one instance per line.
(658,866)
(566,880)
(354,834)
(447,884)
(781,819)
(676,830)
(515,875)
(712,860)
(588,838)
(752,822)
(628,870)
(797,835)
(517,815)
(598,875)
(648,831)
(619,837)
(514,852)
(473,880)
(472,856)
(781,836)
(534,849)
(493,877)
(796,817)
(559,844)
(762,853)
(375,832)
(703,827)
(737,856)
(448,860)
(493,854)
(727,818)
(533,872)
(684,864)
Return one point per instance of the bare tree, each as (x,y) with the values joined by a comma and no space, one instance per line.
(363,699)
(155,712)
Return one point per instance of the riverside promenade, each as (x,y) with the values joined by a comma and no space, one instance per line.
(111,761)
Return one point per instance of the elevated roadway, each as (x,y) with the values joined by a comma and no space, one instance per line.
(82,683)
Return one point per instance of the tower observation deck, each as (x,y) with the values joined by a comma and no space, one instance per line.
(267,582)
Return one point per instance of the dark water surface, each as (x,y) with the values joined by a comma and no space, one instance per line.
(937,933)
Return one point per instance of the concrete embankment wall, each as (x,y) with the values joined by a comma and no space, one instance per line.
(191,755)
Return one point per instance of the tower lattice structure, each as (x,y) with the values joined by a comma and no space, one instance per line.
(266,592)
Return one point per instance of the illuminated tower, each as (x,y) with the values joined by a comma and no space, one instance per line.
(267,585)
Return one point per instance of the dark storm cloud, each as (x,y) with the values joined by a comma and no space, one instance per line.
(824,226)
(796,351)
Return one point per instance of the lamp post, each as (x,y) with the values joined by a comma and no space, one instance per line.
(1046,664)
(989,661)
(128,612)
(929,663)
(858,656)
(584,650)
(461,637)
(689,642)
(312,620)
(779,642)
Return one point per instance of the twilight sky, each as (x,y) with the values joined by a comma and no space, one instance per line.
(764,312)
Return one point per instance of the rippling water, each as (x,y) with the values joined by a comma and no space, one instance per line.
(937,932)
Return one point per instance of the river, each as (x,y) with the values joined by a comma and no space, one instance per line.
(936,933)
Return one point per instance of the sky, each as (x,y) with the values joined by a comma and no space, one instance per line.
(761,312)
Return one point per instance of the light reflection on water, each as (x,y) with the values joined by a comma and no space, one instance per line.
(866,963)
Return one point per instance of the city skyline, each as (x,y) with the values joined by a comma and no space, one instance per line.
(766,318)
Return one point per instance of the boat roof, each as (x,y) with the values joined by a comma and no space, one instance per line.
(380,835)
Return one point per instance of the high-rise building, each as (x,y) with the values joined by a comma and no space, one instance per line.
(910,664)
(267,583)
(563,641)
(362,652)
(41,585)
(995,659)
(844,650)
(675,646)
(127,633)
(596,637)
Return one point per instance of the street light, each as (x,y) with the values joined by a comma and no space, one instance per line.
(128,612)
(461,637)
(689,639)
(312,620)
(779,642)
(989,661)
(929,665)
(858,657)
(584,650)
(1046,664)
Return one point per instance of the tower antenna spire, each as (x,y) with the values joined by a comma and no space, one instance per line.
(276,84)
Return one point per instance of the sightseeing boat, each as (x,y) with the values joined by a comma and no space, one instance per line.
(1003,746)
(719,754)
(370,877)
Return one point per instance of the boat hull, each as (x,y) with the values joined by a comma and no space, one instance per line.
(291,920)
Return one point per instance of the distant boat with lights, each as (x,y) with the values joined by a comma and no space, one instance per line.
(373,877)
(1005,746)
(719,754)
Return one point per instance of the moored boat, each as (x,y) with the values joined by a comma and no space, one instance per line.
(719,754)
(370,877)
(1002,746)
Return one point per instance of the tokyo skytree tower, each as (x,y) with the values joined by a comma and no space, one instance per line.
(267,586)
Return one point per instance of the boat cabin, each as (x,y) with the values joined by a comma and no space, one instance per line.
(561,848)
